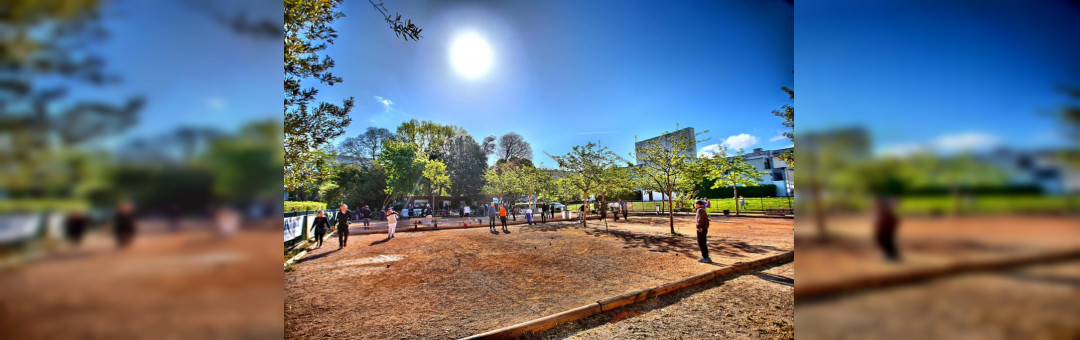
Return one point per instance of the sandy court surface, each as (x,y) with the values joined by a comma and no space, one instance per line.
(185,285)
(1038,302)
(455,283)
(757,305)
(926,243)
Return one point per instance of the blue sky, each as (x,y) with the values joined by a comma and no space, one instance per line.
(192,70)
(959,75)
(569,72)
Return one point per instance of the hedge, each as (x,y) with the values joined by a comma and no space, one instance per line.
(303,206)
(765,190)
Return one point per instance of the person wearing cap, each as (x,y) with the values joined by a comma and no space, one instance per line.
(702,220)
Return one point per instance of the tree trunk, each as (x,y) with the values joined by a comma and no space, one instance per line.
(671,212)
(819,211)
(735,192)
(584,209)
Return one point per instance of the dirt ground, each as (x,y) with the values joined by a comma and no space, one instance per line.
(1032,303)
(990,305)
(757,305)
(927,242)
(455,283)
(188,285)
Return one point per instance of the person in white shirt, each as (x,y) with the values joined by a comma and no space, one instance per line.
(468,211)
(391,223)
(528,216)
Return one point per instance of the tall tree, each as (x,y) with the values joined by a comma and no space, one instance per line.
(614,181)
(733,171)
(403,165)
(499,181)
(309,125)
(669,166)
(438,179)
(45,47)
(428,136)
(584,167)
(513,146)
(465,162)
(367,145)
(787,112)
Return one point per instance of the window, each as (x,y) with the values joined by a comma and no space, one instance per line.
(768,163)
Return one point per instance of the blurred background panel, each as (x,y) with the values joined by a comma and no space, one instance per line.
(140,160)
(941,185)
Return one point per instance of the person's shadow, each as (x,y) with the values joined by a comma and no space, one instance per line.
(379,242)
(493,231)
(316,257)
(507,231)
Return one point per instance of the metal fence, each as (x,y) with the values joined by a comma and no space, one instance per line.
(300,226)
(753,205)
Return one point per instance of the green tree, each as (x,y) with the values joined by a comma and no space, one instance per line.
(787,112)
(465,162)
(499,181)
(429,137)
(46,47)
(584,168)
(669,166)
(308,32)
(438,179)
(613,181)
(731,171)
(403,166)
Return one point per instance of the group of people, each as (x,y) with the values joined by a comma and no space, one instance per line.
(322,224)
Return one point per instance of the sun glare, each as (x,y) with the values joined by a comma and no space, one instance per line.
(471,56)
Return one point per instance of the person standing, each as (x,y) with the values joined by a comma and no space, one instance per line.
(702,232)
(343,226)
(502,216)
(468,211)
(321,225)
(885,222)
(528,216)
(742,202)
(124,224)
(625,214)
(391,223)
(365,213)
(75,227)
(491,216)
(543,212)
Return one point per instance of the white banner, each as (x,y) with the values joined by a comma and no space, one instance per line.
(293,227)
(19,227)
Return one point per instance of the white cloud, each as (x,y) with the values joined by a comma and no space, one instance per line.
(965,142)
(387,103)
(739,141)
(709,150)
(779,136)
(902,150)
(216,103)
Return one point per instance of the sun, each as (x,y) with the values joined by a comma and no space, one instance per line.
(471,56)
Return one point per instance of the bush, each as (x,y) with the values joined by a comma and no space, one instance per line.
(303,206)
(765,190)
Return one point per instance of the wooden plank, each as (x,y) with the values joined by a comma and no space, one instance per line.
(820,291)
(610,303)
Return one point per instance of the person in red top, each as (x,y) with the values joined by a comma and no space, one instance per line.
(502,216)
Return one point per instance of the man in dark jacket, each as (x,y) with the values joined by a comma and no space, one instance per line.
(702,219)
(343,226)
(543,212)
(885,222)
(365,213)
(124,224)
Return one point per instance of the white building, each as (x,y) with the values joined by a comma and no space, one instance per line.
(1045,169)
(777,172)
(688,133)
